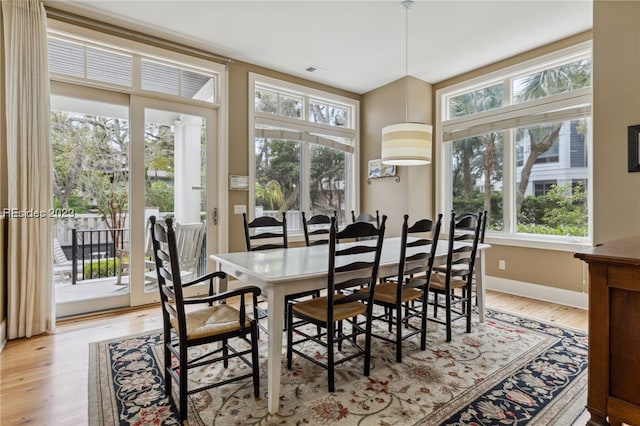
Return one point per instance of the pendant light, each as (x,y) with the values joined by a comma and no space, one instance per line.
(406,144)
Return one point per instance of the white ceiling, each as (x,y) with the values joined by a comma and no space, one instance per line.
(360,45)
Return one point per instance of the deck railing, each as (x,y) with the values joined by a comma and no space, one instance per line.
(95,251)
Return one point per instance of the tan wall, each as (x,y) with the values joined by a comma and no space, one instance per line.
(413,195)
(239,134)
(616,105)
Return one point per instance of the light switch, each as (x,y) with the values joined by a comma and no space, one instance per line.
(239,208)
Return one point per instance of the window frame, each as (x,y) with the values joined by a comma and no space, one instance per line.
(559,107)
(305,131)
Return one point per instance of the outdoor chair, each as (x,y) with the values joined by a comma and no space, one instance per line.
(62,267)
(217,323)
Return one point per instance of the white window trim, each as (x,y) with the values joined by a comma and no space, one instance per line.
(300,131)
(576,104)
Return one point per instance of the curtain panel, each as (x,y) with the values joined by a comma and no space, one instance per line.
(28,237)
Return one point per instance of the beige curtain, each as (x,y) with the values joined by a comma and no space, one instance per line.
(29,168)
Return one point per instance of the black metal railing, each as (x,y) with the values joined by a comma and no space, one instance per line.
(94,252)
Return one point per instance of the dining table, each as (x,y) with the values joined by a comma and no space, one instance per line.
(282,272)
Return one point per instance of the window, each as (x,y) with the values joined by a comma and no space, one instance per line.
(516,143)
(543,187)
(304,143)
(78,60)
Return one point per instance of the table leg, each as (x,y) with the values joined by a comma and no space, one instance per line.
(275,320)
(480,289)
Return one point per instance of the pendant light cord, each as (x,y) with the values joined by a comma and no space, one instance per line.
(406,4)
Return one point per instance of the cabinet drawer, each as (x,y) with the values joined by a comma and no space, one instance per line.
(624,277)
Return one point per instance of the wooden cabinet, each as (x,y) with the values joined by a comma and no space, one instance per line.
(614,332)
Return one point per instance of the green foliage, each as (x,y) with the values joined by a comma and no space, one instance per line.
(160,194)
(269,195)
(562,211)
(278,161)
(101,268)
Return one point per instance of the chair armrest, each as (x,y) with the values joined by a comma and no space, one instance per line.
(205,277)
(225,295)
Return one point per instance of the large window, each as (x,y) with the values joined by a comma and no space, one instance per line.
(516,143)
(304,144)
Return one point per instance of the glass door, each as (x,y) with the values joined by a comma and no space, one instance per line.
(90,149)
(173,176)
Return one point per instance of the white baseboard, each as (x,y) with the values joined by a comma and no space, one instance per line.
(3,334)
(560,296)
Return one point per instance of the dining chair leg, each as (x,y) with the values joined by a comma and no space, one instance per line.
(468,309)
(183,374)
(448,315)
(225,353)
(255,362)
(367,344)
(167,363)
(289,337)
(423,317)
(330,358)
(398,333)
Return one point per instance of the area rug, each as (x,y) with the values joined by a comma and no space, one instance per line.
(510,370)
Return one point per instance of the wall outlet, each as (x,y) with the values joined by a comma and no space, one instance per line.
(502,265)
(239,208)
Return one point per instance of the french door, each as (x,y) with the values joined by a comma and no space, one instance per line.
(173,175)
(119,159)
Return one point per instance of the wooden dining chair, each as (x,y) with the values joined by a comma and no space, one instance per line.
(366,217)
(462,232)
(265,232)
(417,253)
(316,229)
(217,322)
(457,273)
(350,267)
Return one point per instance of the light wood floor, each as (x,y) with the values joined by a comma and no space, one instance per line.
(44,379)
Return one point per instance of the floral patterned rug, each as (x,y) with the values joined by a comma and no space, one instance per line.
(509,370)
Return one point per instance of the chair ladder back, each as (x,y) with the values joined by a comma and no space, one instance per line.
(415,268)
(275,229)
(346,273)
(316,225)
(461,260)
(168,268)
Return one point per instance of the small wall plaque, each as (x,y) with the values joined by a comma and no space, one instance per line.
(239,183)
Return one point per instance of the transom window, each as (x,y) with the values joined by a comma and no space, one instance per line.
(516,143)
(304,143)
(81,60)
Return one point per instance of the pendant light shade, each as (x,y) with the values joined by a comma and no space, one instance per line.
(406,144)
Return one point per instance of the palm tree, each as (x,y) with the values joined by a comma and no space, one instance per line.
(270,193)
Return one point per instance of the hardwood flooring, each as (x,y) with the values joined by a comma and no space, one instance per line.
(44,379)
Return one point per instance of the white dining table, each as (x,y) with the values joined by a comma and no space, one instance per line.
(281,272)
